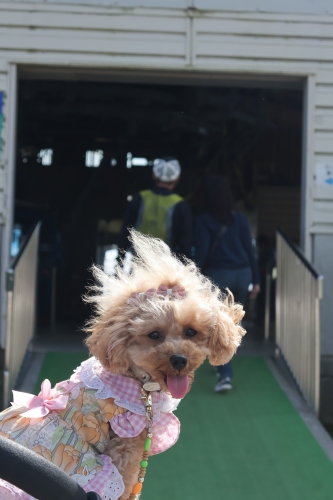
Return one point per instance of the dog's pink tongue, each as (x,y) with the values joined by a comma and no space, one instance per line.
(178,385)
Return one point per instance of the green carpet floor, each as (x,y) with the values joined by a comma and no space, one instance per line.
(58,366)
(248,445)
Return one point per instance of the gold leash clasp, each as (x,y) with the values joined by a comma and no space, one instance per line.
(147,400)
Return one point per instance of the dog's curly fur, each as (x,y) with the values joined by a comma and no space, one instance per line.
(118,332)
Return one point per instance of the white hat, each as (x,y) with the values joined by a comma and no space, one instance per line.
(166,170)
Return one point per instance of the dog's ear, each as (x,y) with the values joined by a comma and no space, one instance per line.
(108,343)
(227,334)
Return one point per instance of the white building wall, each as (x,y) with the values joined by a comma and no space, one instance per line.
(248,39)
(283,6)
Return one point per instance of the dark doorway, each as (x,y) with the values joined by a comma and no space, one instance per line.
(251,135)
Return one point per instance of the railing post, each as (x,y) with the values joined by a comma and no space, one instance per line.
(299,290)
(320,293)
(21,281)
(278,293)
(10,278)
(53,296)
(267,305)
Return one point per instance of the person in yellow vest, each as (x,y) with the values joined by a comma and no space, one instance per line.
(160,212)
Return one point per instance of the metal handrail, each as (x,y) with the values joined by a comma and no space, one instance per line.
(299,289)
(21,284)
(298,252)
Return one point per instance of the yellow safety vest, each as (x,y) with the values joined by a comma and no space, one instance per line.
(155,214)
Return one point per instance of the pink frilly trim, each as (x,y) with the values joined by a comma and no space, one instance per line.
(108,483)
(166,429)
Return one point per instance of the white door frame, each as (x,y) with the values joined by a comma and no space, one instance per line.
(183,77)
(9,187)
(307,164)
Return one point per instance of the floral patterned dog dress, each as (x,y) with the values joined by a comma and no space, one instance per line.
(69,426)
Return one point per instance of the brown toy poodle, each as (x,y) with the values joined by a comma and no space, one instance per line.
(151,330)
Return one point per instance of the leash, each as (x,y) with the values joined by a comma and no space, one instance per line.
(147,401)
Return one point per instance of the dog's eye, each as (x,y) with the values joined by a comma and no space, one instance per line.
(154,335)
(190,332)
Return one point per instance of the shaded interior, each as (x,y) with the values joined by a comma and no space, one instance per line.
(253,136)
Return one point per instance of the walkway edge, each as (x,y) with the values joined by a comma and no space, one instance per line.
(29,376)
(308,416)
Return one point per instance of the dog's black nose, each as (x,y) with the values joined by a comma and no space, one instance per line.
(178,362)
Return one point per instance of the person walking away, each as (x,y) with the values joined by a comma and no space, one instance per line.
(224,250)
(160,212)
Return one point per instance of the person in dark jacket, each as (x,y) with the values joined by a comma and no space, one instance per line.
(161,212)
(223,247)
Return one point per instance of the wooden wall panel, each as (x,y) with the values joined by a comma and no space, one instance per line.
(324,96)
(261,26)
(110,22)
(93,42)
(324,142)
(266,48)
(239,6)
(284,6)
(323,119)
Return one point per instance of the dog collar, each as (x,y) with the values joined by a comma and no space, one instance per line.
(145,378)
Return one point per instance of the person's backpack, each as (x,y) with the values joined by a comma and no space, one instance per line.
(155,214)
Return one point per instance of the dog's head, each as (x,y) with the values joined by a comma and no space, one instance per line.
(162,320)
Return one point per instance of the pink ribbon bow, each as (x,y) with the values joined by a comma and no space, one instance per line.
(39,406)
(178,292)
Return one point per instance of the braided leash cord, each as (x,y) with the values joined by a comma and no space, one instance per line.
(137,488)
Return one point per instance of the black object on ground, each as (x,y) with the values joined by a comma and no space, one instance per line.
(36,476)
